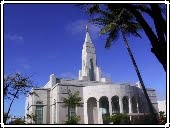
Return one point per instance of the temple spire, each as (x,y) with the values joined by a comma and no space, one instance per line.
(87,38)
(87,29)
(89,70)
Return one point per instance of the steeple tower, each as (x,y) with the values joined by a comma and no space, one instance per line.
(87,39)
(89,71)
(87,29)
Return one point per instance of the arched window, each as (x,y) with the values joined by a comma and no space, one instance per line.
(28,105)
(115,104)
(104,107)
(83,62)
(39,112)
(140,105)
(92,110)
(134,105)
(125,104)
(91,73)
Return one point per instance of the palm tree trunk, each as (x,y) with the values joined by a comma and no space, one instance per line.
(139,75)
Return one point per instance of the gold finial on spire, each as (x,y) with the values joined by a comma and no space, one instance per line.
(87,29)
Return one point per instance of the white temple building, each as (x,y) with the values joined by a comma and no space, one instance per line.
(100,96)
(162,106)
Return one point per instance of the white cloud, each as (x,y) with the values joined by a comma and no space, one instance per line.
(23,63)
(25,66)
(51,56)
(106,75)
(78,28)
(14,37)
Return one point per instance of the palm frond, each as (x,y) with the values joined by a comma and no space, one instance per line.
(108,28)
(131,28)
(113,36)
(94,8)
(113,18)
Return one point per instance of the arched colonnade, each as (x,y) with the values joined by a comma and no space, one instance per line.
(98,109)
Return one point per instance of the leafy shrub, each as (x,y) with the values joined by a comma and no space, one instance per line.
(118,118)
(162,117)
(73,120)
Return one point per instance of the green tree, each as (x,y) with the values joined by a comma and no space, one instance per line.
(32,117)
(71,102)
(162,117)
(15,85)
(114,23)
(18,121)
(118,118)
(157,14)
(73,120)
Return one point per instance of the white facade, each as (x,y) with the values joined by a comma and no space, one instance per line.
(100,97)
(162,106)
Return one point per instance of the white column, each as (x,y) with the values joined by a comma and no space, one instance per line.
(120,105)
(32,95)
(137,104)
(52,115)
(44,114)
(33,107)
(98,113)
(110,107)
(85,113)
(130,107)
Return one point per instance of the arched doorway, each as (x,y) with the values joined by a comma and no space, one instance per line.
(125,103)
(104,108)
(140,105)
(92,111)
(134,105)
(115,104)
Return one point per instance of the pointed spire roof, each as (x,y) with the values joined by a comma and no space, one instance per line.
(87,29)
(87,39)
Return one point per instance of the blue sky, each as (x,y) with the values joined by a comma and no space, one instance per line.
(42,39)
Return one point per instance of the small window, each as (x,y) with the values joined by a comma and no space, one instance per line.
(28,106)
(72,112)
(39,112)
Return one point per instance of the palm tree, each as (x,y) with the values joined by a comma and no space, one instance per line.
(157,13)
(72,101)
(119,21)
